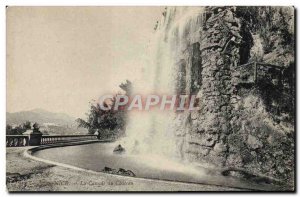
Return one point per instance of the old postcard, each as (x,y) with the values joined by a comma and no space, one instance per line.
(150,99)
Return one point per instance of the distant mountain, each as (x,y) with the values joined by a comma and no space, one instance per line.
(40,116)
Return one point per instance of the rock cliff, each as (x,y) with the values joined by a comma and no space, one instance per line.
(240,63)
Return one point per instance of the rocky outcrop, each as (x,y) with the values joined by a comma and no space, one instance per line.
(219,49)
(237,125)
(119,149)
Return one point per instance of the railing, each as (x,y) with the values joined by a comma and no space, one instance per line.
(253,71)
(52,139)
(17,140)
(33,140)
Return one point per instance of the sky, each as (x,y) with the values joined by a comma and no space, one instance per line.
(61,58)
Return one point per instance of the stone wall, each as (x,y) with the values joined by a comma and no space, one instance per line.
(219,54)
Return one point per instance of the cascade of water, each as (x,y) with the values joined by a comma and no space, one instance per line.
(150,132)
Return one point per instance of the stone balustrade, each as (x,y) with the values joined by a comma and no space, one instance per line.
(34,139)
(17,140)
(52,139)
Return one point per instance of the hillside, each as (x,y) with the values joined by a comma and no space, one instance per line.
(50,122)
(40,116)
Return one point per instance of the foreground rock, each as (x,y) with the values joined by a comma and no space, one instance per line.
(119,149)
(121,171)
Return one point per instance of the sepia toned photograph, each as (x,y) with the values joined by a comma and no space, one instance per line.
(150,99)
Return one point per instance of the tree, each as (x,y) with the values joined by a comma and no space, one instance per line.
(18,130)
(9,130)
(26,125)
(108,123)
(127,87)
(102,121)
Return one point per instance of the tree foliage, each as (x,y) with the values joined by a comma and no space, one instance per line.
(107,123)
(18,130)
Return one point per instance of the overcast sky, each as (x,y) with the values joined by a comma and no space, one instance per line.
(60,58)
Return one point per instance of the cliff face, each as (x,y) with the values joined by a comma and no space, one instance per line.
(247,109)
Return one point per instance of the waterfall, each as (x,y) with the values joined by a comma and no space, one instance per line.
(150,132)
